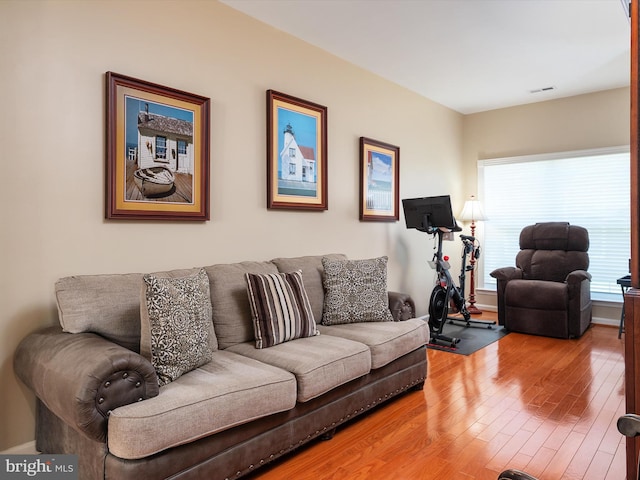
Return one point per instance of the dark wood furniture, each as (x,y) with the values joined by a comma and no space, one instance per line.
(632,297)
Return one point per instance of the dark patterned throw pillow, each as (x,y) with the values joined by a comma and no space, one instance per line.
(181,333)
(280,308)
(355,291)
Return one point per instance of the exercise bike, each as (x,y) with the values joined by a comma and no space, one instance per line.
(434,216)
(447,294)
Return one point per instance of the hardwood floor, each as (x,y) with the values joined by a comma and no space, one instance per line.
(542,405)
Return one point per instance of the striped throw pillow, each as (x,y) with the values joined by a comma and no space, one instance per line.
(280,308)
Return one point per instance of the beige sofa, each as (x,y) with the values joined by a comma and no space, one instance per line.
(99,397)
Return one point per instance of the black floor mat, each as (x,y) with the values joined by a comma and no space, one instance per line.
(471,338)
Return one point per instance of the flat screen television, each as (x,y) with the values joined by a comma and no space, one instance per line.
(429,213)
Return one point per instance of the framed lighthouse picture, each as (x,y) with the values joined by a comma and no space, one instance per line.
(296,153)
(379,181)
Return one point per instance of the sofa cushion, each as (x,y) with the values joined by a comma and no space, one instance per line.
(355,291)
(108,305)
(319,363)
(312,275)
(176,327)
(228,391)
(280,308)
(230,302)
(386,340)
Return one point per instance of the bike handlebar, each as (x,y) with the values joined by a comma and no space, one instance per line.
(467,237)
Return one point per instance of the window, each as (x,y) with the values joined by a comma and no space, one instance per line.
(292,169)
(161,147)
(588,188)
(292,152)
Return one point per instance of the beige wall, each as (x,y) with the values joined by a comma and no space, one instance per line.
(54,55)
(576,123)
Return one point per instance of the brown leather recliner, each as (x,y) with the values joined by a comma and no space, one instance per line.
(548,291)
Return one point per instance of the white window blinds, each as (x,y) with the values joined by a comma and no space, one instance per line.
(586,188)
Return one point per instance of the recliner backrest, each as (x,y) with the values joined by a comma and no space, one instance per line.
(551,250)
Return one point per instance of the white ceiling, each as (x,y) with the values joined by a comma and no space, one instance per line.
(469,55)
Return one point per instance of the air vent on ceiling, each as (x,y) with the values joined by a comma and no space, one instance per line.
(543,89)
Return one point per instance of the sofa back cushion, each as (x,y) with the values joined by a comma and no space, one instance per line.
(232,319)
(312,276)
(108,305)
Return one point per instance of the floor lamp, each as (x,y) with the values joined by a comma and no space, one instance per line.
(472,211)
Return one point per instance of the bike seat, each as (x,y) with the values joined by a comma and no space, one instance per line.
(457,228)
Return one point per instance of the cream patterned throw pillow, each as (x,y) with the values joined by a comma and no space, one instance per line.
(177,312)
(280,308)
(355,291)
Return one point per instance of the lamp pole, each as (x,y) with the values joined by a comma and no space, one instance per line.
(472,211)
(473,310)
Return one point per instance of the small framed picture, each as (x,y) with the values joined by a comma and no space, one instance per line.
(157,164)
(296,153)
(379,181)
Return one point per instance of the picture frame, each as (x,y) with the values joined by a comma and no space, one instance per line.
(157,158)
(296,153)
(379,181)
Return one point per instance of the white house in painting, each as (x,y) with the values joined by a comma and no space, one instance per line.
(165,141)
(297,162)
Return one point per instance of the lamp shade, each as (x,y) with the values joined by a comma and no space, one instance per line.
(472,211)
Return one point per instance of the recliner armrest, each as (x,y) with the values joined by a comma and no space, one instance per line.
(402,306)
(577,276)
(507,273)
(504,275)
(81,377)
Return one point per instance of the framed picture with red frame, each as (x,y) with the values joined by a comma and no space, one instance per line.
(157,165)
(379,181)
(296,153)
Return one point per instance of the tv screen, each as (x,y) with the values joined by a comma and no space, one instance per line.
(429,213)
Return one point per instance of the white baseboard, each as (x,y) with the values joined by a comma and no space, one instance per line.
(28,448)
(486,308)
(610,322)
(606,321)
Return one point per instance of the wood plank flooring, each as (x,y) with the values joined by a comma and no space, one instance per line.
(542,405)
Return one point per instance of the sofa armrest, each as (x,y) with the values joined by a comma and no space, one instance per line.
(81,377)
(402,306)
